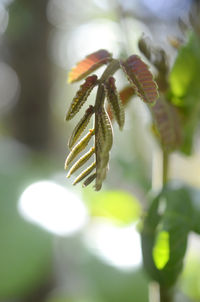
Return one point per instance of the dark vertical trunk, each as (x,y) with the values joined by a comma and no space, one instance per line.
(27,41)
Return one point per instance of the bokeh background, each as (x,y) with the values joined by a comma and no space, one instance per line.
(59,243)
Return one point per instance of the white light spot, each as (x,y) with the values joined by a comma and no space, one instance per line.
(53,207)
(85,39)
(117,246)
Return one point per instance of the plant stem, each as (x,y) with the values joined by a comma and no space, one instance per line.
(165,166)
(166,295)
(159,293)
(109,71)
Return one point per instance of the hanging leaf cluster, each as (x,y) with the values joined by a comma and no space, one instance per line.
(142,83)
(166,117)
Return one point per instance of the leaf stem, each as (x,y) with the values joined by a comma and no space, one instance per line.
(110,70)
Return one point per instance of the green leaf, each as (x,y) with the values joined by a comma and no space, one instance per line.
(185,92)
(195,199)
(186,68)
(161,250)
(172,212)
(119,206)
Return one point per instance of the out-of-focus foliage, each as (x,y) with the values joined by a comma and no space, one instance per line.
(112,285)
(26,250)
(119,206)
(161,250)
(190,278)
(185,93)
(173,212)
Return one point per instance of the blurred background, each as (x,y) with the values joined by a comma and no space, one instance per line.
(59,243)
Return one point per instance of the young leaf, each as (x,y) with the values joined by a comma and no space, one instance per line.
(161,250)
(155,55)
(85,173)
(80,127)
(81,96)
(89,180)
(126,94)
(144,47)
(114,101)
(167,122)
(103,144)
(140,78)
(81,162)
(88,65)
(79,147)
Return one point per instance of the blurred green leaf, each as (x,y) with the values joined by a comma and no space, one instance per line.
(185,69)
(118,206)
(185,92)
(195,199)
(161,250)
(172,212)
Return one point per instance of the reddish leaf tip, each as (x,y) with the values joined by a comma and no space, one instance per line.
(141,78)
(89,64)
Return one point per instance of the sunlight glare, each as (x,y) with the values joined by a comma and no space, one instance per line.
(53,207)
(117,246)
